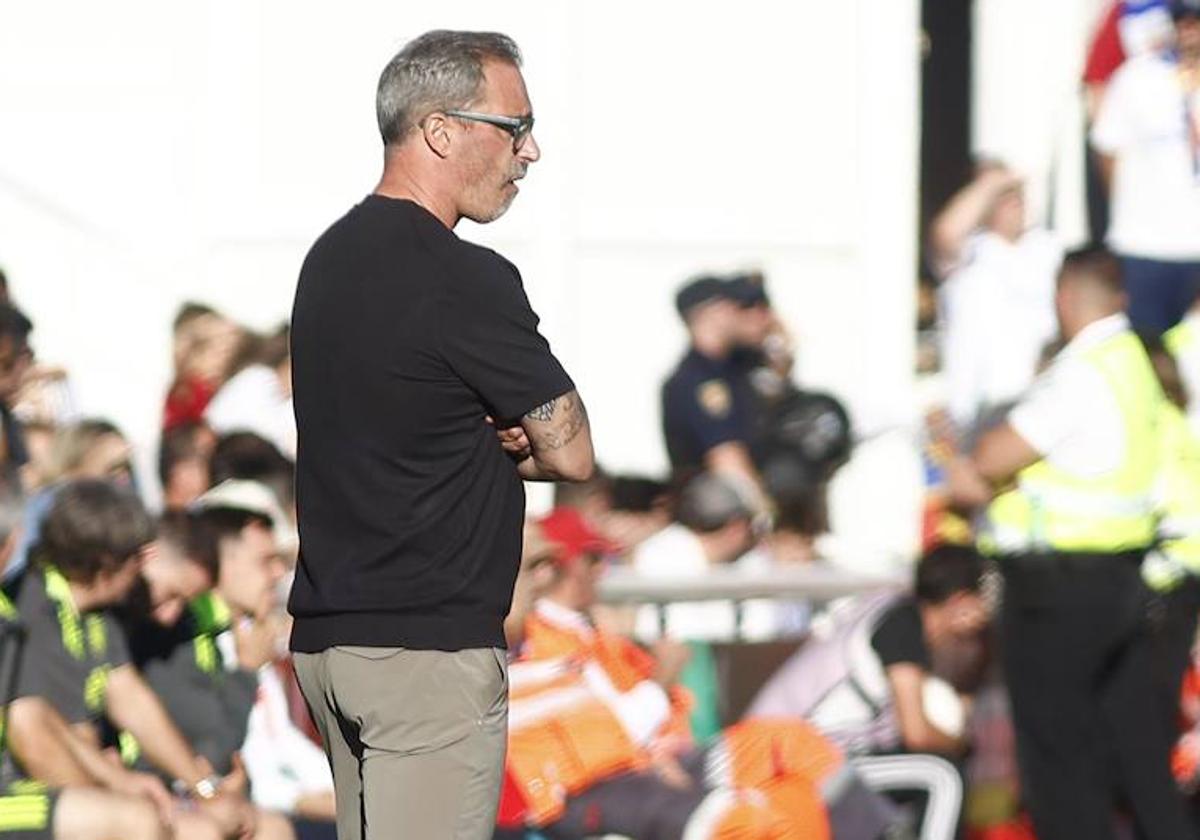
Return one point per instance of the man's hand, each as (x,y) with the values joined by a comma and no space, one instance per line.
(670,771)
(966,488)
(235,817)
(149,786)
(257,639)
(513,440)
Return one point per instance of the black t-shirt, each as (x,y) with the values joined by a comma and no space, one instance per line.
(404,339)
(899,636)
(705,402)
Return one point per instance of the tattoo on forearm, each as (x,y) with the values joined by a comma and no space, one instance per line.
(544,412)
(572,419)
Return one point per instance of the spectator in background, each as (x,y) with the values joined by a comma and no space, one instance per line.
(15,359)
(998,295)
(66,798)
(205,662)
(1147,132)
(184,466)
(641,507)
(258,395)
(246,456)
(616,754)
(88,449)
(76,654)
(865,677)
(91,448)
(862,676)
(626,509)
(204,343)
(707,402)
(713,529)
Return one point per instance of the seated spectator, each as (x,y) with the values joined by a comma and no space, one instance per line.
(258,396)
(615,755)
(625,509)
(89,449)
(712,529)
(250,457)
(184,463)
(641,507)
(206,662)
(997,301)
(863,678)
(58,798)
(204,343)
(1145,132)
(76,657)
(866,680)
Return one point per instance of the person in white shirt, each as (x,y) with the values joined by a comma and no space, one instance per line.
(712,528)
(997,302)
(1147,133)
(258,397)
(1069,482)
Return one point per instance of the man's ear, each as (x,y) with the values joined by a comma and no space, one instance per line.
(436,130)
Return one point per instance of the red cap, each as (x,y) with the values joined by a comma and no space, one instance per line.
(572,536)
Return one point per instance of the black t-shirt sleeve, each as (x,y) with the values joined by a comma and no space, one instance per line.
(899,637)
(490,339)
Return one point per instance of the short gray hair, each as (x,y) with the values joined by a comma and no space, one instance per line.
(439,70)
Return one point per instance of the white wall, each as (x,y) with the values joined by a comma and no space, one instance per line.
(152,152)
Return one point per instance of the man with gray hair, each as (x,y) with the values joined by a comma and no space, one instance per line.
(424,394)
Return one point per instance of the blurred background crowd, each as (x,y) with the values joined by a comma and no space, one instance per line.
(718,570)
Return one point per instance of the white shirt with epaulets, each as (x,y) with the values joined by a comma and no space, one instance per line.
(1070,414)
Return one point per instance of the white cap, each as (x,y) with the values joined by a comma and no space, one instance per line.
(252,497)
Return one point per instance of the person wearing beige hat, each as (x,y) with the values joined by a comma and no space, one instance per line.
(203,658)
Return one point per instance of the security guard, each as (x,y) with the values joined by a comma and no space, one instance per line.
(1172,568)
(707,402)
(1077,459)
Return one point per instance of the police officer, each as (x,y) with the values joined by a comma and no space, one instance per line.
(707,402)
(1080,453)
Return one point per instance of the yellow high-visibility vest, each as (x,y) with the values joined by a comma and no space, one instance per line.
(1178,499)
(1053,510)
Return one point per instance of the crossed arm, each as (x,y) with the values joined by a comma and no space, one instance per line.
(553,442)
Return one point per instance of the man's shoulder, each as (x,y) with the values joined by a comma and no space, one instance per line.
(475,268)
(692,369)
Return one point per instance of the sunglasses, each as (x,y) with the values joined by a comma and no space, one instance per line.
(519,128)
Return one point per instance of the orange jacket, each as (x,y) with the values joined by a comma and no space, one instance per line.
(624,662)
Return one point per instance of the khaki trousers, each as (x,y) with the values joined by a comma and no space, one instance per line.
(416,738)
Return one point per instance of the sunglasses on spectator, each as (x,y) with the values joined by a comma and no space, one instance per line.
(519,128)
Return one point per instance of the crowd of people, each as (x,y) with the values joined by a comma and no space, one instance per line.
(148,690)
(1039,456)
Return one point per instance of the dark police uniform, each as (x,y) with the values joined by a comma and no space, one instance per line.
(705,402)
